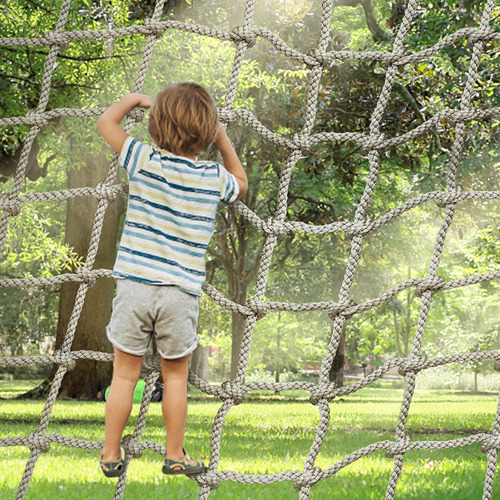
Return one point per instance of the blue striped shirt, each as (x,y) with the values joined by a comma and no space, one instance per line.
(170,216)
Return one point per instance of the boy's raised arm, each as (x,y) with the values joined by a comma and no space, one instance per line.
(230,159)
(108,123)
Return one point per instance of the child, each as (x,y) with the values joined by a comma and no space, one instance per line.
(160,266)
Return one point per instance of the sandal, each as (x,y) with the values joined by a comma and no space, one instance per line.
(114,469)
(185,466)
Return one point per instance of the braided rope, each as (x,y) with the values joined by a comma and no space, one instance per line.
(372,144)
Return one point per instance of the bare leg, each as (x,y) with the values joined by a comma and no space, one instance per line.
(126,373)
(174,404)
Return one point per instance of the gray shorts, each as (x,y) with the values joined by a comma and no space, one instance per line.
(141,311)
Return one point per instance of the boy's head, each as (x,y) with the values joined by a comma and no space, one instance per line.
(183,119)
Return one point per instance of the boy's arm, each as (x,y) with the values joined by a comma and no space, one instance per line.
(230,159)
(108,123)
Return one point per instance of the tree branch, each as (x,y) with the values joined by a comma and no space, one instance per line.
(41,7)
(74,58)
(408,97)
(37,84)
(379,34)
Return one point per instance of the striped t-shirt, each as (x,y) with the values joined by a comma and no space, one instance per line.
(170,216)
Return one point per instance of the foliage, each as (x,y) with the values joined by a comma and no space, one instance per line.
(28,316)
(326,186)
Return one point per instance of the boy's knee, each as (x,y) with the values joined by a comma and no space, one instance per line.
(175,368)
(128,380)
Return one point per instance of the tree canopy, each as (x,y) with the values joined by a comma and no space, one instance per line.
(326,184)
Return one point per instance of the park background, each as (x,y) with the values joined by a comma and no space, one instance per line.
(48,239)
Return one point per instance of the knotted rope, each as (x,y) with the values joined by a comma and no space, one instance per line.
(372,143)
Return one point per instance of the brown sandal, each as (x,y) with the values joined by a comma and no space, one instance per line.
(114,469)
(185,466)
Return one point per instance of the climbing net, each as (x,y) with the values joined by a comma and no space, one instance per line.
(373,143)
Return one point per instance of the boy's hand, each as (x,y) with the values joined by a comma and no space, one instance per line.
(109,122)
(221,136)
(144,101)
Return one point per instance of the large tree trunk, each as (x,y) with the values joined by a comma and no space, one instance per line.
(234,258)
(238,329)
(88,377)
(337,369)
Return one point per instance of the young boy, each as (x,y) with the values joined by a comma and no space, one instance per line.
(160,266)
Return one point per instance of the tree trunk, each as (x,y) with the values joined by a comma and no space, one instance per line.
(88,377)
(278,351)
(238,329)
(397,334)
(337,369)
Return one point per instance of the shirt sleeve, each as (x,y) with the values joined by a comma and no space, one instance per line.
(133,155)
(230,188)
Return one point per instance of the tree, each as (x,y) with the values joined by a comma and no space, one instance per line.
(77,82)
(327,185)
(27,317)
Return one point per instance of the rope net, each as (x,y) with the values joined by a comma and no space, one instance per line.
(373,143)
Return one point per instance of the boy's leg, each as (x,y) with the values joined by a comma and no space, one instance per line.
(126,373)
(174,404)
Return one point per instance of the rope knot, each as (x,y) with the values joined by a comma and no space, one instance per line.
(257,308)
(132,446)
(37,441)
(373,143)
(13,208)
(303,143)
(338,308)
(62,358)
(58,39)
(155,28)
(491,443)
(86,275)
(227,115)
(276,227)
(308,478)
(210,479)
(449,198)
(241,34)
(481,35)
(399,447)
(358,228)
(36,118)
(320,58)
(152,362)
(413,364)
(232,391)
(398,59)
(105,192)
(136,114)
(433,285)
(322,393)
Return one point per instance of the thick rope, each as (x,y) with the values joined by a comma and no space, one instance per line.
(372,143)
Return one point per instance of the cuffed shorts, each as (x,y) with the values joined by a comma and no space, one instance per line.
(141,311)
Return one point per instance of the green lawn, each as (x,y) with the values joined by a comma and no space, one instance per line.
(262,436)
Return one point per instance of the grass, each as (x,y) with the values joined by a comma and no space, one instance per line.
(263,435)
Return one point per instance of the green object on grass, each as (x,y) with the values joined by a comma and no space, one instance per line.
(138,392)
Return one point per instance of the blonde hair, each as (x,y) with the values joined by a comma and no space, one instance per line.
(183,119)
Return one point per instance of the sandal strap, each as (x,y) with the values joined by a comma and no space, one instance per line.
(114,465)
(184,464)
